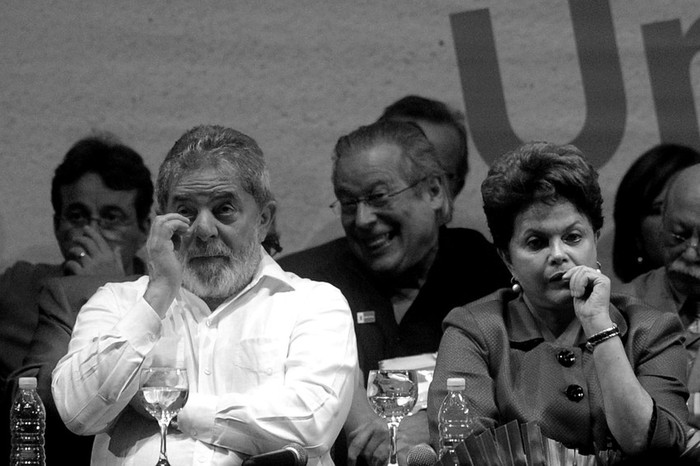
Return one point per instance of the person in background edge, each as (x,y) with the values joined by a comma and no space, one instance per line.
(675,286)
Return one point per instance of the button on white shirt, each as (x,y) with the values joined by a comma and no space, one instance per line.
(271,366)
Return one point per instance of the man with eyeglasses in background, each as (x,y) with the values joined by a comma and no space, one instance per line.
(101,195)
(675,287)
(399,267)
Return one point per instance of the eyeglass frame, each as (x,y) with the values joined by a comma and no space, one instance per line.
(102,222)
(375,201)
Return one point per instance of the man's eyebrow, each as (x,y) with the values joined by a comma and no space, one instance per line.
(213,195)
(76,204)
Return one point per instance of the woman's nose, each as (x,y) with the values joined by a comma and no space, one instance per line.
(557,251)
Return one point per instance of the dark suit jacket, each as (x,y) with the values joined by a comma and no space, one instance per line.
(466,268)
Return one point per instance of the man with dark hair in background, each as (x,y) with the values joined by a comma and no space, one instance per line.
(444,128)
(101,194)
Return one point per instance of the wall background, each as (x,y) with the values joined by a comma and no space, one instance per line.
(293,75)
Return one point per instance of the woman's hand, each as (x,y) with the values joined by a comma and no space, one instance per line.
(590,290)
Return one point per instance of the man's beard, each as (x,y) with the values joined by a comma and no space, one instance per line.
(221,276)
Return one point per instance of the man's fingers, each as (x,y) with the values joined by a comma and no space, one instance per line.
(165,228)
(100,242)
(73,267)
(357,445)
(118,258)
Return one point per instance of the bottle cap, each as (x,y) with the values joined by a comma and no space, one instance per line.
(456,383)
(27,382)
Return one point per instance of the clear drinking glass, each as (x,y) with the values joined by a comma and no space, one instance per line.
(392,395)
(164,392)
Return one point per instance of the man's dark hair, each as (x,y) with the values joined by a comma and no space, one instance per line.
(120,167)
(414,107)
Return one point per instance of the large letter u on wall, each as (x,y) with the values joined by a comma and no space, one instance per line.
(482,86)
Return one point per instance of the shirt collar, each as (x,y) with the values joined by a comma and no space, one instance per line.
(268,275)
(522,326)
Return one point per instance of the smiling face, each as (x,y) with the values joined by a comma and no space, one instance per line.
(222,252)
(400,238)
(547,241)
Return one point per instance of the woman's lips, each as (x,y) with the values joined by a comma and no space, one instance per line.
(557,276)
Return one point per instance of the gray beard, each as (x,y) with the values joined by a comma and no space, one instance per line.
(212,279)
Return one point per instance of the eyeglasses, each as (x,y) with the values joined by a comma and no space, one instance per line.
(375,201)
(108,221)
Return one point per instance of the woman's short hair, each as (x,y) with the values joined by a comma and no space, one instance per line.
(539,172)
(644,181)
(418,154)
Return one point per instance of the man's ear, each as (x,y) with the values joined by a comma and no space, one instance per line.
(436,190)
(145,225)
(267,219)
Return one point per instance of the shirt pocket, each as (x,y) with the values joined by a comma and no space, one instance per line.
(259,361)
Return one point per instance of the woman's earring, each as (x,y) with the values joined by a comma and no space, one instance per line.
(599,266)
(640,259)
(515,285)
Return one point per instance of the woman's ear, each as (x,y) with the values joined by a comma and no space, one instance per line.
(505,257)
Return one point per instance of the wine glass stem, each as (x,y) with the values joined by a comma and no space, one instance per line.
(393,431)
(163,459)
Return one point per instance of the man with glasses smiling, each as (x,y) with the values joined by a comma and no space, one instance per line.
(102,195)
(398,265)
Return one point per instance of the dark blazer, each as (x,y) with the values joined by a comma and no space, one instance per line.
(466,268)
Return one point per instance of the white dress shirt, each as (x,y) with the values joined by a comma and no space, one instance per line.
(271,366)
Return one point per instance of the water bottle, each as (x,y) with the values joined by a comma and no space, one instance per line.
(455,421)
(27,425)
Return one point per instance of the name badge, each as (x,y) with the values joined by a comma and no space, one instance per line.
(366,317)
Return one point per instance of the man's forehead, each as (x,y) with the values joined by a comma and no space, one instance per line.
(206,183)
(91,190)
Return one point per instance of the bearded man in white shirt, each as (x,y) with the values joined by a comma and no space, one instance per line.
(270,357)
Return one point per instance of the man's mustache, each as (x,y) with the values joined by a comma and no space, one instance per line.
(207,250)
(681,268)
